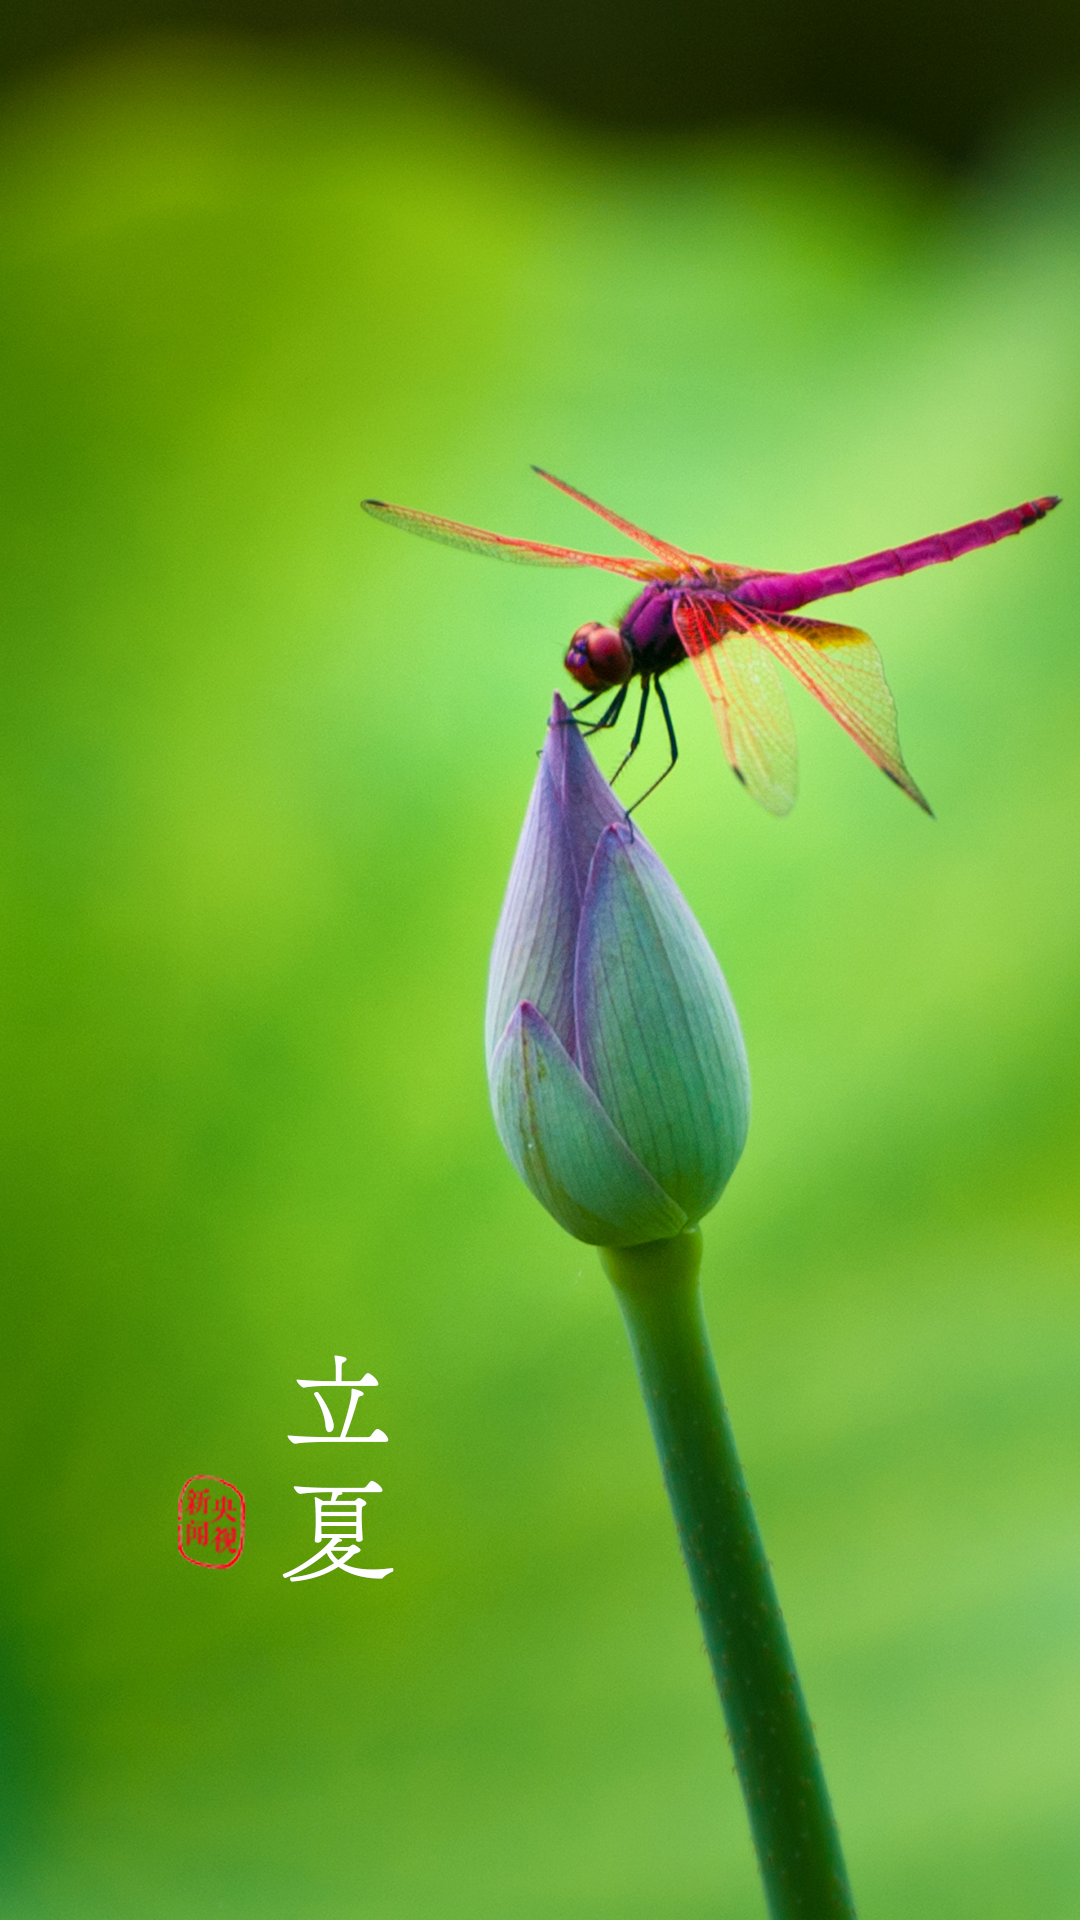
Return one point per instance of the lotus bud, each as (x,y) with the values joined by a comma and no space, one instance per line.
(617,1069)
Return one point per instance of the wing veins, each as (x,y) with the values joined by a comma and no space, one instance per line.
(500,546)
(842,668)
(747,698)
(674,556)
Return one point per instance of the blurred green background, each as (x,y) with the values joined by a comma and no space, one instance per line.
(263,767)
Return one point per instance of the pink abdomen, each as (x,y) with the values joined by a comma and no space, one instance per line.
(782,592)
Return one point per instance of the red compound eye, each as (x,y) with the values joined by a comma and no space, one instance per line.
(598,657)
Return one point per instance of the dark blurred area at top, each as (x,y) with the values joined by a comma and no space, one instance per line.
(940,75)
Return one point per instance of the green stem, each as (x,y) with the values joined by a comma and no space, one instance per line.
(792,1822)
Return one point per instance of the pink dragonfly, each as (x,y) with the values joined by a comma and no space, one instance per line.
(733,623)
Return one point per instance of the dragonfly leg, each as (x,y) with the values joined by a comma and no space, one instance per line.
(672,744)
(607,719)
(646,682)
(611,714)
(588,700)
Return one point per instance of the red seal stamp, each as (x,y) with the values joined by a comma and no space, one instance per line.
(210,1521)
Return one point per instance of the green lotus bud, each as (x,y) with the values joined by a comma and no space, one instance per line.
(617,1069)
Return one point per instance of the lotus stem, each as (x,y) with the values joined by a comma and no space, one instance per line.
(791,1818)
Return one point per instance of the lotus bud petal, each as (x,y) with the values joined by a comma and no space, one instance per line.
(565,1147)
(617,1069)
(673,1077)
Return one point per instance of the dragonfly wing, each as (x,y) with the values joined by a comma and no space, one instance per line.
(748,700)
(842,668)
(529,552)
(674,556)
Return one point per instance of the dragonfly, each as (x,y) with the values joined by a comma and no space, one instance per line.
(733,624)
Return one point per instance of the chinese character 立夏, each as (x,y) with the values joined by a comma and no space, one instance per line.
(337,1520)
(344,1438)
(224,1547)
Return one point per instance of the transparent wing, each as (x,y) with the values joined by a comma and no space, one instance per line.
(677,558)
(842,668)
(674,556)
(748,700)
(530,552)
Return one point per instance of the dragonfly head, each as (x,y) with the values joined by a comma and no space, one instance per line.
(599,657)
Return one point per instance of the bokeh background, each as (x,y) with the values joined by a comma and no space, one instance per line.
(262,770)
